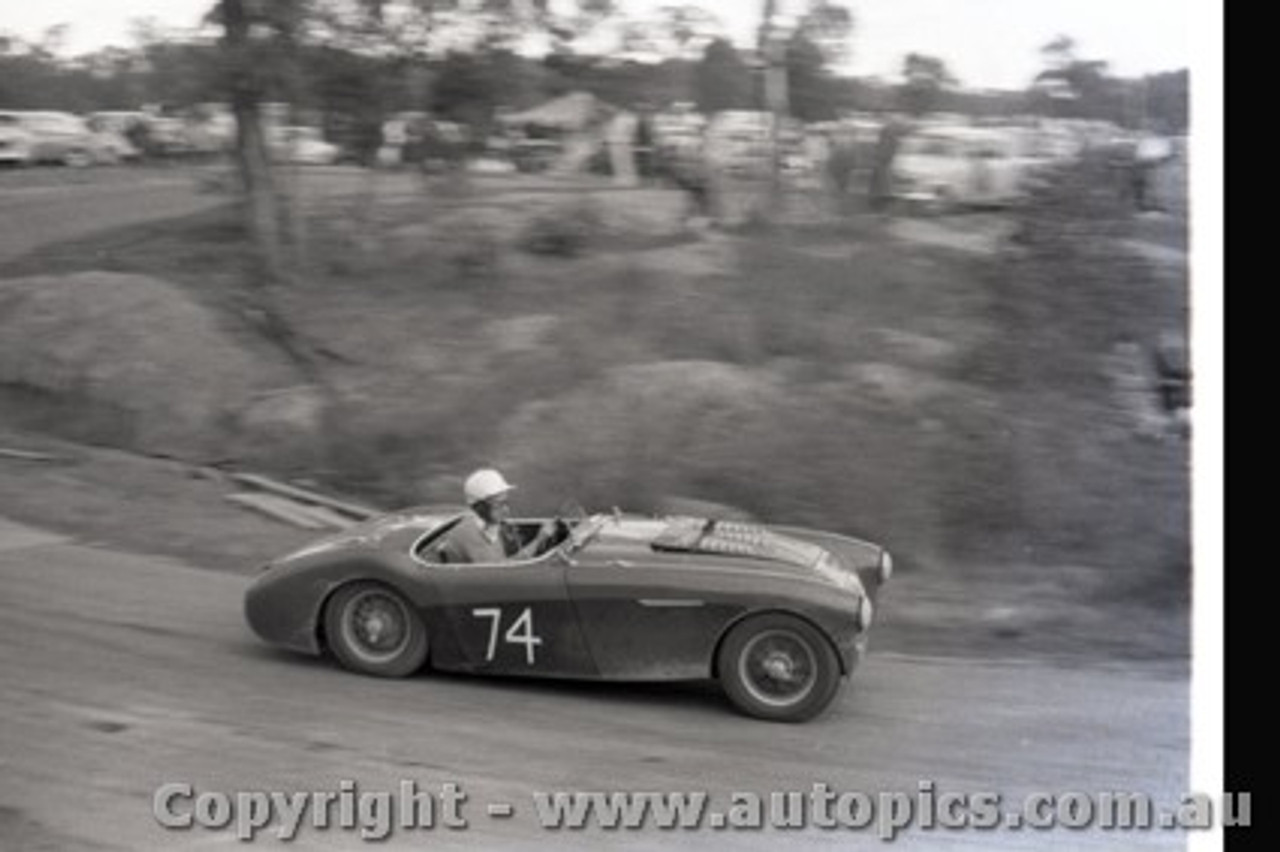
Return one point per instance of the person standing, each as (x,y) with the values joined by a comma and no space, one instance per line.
(1152,152)
(881,189)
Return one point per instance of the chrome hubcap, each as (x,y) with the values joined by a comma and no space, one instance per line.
(778,668)
(376,625)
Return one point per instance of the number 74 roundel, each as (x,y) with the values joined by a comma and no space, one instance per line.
(519,631)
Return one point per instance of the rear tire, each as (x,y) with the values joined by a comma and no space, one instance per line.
(373,630)
(778,667)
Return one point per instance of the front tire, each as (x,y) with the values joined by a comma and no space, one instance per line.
(373,630)
(778,667)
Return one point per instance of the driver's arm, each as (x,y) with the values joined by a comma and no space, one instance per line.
(535,547)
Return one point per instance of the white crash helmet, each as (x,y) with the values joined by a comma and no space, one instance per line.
(485,484)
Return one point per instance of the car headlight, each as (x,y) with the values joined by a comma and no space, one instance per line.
(886,566)
(865,613)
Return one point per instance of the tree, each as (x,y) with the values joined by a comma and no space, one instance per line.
(469,87)
(1073,87)
(827,26)
(1060,52)
(817,39)
(257,46)
(809,84)
(263,41)
(691,28)
(170,71)
(721,79)
(354,92)
(1167,99)
(678,32)
(925,78)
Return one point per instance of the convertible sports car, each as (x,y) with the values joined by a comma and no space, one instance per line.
(778,615)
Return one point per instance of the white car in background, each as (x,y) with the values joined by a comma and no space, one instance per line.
(301,145)
(29,137)
(742,142)
(15,143)
(112,131)
(949,167)
(51,137)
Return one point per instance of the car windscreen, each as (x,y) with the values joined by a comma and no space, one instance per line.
(424,543)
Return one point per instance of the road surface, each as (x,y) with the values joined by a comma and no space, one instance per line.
(123,673)
(36,215)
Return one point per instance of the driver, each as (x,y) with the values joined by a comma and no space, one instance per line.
(482,535)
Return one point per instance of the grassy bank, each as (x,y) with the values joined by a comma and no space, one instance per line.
(958,407)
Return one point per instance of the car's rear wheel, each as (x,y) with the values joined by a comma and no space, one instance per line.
(778,667)
(372,629)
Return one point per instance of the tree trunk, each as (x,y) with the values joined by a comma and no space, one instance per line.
(264,210)
(773,53)
(261,203)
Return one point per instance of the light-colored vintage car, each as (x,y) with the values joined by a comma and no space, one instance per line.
(50,137)
(302,146)
(15,143)
(950,167)
(742,142)
(29,137)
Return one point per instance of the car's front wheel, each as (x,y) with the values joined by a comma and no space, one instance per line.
(373,630)
(778,667)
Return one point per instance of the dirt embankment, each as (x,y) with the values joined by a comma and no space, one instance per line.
(132,361)
(952,403)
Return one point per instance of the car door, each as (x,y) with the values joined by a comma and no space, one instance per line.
(645,615)
(510,618)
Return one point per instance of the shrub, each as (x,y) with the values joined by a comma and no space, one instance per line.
(561,232)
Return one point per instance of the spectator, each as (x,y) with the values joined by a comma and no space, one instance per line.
(688,168)
(881,189)
(1152,153)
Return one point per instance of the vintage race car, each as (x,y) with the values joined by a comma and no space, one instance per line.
(780,616)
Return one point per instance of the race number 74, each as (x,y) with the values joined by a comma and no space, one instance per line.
(519,632)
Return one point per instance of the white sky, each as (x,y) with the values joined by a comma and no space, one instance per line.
(985,42)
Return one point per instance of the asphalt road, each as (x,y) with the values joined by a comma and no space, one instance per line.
(122,673)
(70,206)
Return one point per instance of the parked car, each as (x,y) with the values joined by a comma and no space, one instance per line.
(949,167)
(130,127)
(780,616)
(302,145)
(53,137)
(113,134)
(740,141)
(15,142)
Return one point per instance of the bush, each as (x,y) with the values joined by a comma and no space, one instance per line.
(471,250)
(562,232)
